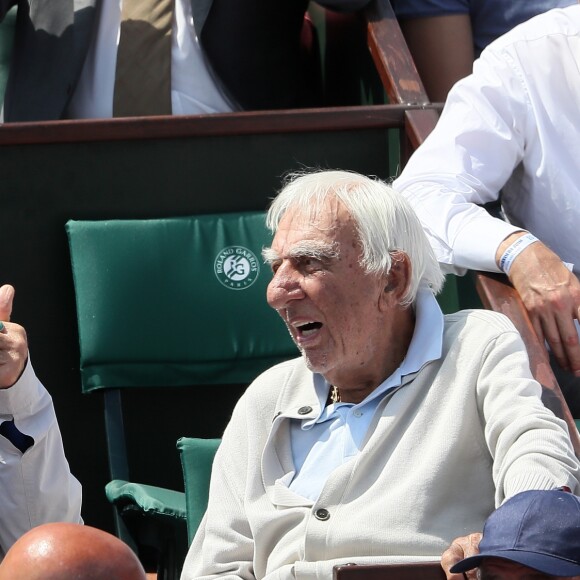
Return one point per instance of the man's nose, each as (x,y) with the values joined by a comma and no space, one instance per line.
(284,288)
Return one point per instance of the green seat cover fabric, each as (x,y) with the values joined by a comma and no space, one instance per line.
(150,499)
(204,274)
(154,518)
(196,460)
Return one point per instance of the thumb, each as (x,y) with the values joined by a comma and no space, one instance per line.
(6,299)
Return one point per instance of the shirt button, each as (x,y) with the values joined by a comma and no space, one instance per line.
(322,514)
(304,410)
(357,413)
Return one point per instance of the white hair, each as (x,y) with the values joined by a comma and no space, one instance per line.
(385,222)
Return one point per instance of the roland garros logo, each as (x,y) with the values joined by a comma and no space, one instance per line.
(236,267)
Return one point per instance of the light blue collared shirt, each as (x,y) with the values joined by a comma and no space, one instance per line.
(321,445)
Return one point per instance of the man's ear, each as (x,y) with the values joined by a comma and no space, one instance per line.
(396,282)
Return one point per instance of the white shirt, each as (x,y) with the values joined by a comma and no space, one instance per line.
(513,125)
(193,90)
(322,444)
(37,486)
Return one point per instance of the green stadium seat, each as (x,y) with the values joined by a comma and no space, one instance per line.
(164,304)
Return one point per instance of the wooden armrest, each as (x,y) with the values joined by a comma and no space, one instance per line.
(410,571)
(498,294)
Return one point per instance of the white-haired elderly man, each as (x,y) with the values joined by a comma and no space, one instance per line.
(397,429)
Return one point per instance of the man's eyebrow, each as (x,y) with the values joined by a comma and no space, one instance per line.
(269,255)
(316,249)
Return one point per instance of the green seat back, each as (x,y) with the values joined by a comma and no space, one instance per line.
(196,461)
(176,301)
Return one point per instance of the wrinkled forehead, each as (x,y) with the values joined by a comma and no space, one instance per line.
(328,216)
(323,235)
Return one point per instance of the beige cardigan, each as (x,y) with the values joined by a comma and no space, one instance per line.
(443,450)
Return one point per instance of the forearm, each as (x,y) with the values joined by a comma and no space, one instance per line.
(533,257)
(530,446)
(442,48)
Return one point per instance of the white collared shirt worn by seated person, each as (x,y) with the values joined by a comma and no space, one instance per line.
(193,89)
(322,444)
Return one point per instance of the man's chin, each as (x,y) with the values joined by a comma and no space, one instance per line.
(316,364)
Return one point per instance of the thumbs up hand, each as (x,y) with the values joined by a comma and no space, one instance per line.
(13,343)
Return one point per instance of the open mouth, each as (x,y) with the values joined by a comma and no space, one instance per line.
(308,328)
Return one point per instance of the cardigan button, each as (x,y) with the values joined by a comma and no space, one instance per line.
(322,514)
(304,410)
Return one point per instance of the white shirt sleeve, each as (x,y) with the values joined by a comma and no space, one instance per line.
(37,486)
(472,152)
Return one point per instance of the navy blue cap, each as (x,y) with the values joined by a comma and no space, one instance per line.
(537,529)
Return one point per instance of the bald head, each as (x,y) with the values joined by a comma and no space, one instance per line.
(65,551)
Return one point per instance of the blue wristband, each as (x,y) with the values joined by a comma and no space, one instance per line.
(514,250)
